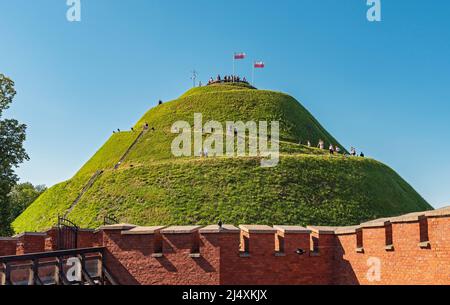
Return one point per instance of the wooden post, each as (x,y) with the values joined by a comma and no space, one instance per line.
(8,274)
(84,272)
(36,279)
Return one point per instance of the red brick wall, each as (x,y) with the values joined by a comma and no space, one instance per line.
(30,243)
(88,239)
(264,267)
(132,260)
(8,247)
(337,261)
(51,242)
(407,263)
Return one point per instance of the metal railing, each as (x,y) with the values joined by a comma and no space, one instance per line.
(50,268)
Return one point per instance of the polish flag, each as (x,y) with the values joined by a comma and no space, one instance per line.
(239,55)
(259,64)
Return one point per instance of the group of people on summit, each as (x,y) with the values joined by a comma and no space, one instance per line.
(227,79)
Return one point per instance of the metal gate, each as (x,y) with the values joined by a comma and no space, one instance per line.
(67,234)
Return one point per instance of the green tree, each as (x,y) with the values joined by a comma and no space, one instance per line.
(21,196)
(12,152)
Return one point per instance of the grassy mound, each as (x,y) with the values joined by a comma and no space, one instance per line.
(152,187)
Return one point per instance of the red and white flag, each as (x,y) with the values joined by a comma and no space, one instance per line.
(239,55)
(259,64)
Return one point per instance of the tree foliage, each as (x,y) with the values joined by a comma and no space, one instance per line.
(21,196)
(12,152)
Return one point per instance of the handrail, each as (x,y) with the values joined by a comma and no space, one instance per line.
(127,152)
(86,188)
(40,255)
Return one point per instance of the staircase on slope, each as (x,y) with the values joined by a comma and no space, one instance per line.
(141,134)
(98,173)
(84,190)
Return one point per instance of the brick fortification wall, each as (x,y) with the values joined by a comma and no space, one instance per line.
(411,249)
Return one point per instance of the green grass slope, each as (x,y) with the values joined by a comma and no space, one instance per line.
(152,187)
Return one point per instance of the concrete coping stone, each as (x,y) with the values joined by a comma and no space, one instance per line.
(258,229)
(424,244)
(87,230)
(381,222)
(30,234)
(346,230)
(216,229)
(292,229)
(411,217)
(389,248)
(322,229)
(438,213)
(180,229)
(120,226)
(143,230)
(8,238)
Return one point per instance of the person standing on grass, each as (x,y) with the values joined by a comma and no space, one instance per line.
(331,148)
(353,151)
(338,150)
(321,144)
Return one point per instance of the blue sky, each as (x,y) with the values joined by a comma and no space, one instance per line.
(382,87)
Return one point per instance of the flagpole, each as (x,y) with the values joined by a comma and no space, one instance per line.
(234,66)
(253,75)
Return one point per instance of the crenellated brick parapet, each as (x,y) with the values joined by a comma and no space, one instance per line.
(410,249)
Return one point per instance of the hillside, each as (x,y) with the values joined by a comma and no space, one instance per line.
(152,187)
